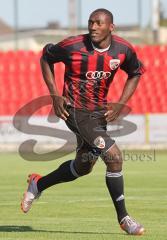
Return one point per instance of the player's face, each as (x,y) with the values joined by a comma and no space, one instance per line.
(100,28)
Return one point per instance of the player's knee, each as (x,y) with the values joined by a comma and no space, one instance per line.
(113,161)
(84,169)
(84,162)
(114,168)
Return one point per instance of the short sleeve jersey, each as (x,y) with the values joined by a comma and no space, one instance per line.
(89,73)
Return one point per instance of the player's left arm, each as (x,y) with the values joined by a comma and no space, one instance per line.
(134,68)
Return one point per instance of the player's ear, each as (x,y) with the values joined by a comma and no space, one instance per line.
(112,27)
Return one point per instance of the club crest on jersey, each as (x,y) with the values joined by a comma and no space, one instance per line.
(114,63)
(99,142)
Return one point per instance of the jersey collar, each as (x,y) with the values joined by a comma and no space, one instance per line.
(100,49)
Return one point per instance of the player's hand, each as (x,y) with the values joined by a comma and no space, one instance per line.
(59,103)
(113,112)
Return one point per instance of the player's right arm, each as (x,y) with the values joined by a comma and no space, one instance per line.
(47,67)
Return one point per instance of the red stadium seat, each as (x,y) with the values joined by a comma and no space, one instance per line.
(21,81)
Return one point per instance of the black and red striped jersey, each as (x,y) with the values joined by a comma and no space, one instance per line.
(88,72)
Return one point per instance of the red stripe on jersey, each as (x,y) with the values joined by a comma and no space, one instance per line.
(72,41)
(76,70)
(103,86)
(142,69)
(123,41)
(89,93)
(121,56)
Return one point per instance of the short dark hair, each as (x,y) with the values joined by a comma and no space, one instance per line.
(105,11)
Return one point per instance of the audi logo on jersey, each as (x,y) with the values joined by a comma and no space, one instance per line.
(98,75)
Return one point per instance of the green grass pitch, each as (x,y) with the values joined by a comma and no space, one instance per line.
(82,209)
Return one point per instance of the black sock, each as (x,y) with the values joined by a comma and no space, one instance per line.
(65,173)
(115,186)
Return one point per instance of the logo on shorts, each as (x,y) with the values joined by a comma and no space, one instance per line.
(99,142)
(114,63)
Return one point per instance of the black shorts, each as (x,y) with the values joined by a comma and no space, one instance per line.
(90,129)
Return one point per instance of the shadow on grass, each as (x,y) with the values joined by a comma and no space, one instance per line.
(13,228)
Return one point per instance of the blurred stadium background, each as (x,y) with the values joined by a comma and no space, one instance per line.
(21,80)
(77,211)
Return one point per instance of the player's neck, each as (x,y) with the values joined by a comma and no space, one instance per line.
(102,45)
(100,49)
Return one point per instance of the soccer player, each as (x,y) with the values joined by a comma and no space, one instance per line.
(91,62)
